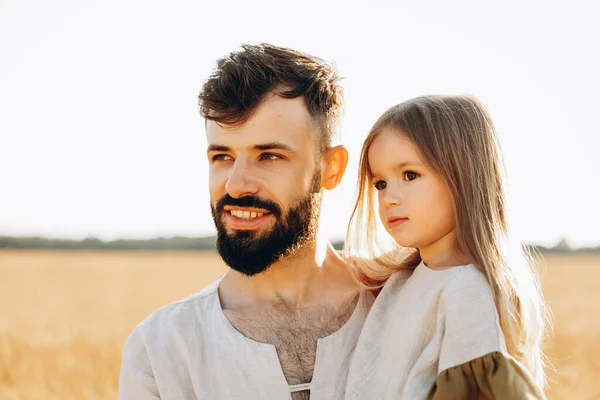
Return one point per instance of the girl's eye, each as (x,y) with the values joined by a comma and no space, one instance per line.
(380,185)
(410,176)
(269,157)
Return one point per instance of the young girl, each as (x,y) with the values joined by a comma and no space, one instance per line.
(459,315)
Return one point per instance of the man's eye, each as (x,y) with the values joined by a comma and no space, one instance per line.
(410,175)
(269,156)
(380,185)
(221,157)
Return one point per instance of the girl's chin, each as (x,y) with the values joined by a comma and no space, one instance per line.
(403,241)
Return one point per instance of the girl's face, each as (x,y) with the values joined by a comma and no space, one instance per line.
(415,204)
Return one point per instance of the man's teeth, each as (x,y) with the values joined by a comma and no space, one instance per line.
(246,214)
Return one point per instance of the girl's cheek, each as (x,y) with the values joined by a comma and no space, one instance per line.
(380,208)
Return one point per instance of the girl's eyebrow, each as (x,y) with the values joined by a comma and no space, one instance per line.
(401,165)
(406,163)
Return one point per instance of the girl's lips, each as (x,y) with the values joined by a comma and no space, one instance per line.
(395,221)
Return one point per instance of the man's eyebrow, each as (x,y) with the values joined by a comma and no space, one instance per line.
(274,146)
(217,147)
(260,147)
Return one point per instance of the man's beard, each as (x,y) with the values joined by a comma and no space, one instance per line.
(251,252)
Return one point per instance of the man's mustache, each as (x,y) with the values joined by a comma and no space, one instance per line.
(248,201)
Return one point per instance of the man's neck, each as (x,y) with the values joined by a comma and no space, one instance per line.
(297,281)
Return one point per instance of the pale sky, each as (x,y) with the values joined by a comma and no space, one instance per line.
(100,133)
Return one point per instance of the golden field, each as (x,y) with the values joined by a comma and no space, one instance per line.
(64,317)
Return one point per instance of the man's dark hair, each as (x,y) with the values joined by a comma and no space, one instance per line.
(244,78)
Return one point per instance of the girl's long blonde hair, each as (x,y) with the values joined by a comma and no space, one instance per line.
(457,138)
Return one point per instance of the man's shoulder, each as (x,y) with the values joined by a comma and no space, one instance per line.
(182,315)
(159,348)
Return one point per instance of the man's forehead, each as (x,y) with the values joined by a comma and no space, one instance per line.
(276,119)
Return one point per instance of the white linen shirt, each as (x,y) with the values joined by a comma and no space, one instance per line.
(420,325)
(190,350)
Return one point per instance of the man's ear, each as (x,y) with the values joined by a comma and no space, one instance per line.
(336,161)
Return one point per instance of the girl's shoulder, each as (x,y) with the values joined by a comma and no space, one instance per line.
(471,322)
(456,284)
(464,284)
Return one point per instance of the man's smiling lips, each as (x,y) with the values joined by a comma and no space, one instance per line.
(245,218)
(392,222)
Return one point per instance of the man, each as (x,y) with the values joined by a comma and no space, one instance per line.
(280,324)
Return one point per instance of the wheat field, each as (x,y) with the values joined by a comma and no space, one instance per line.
(65,315)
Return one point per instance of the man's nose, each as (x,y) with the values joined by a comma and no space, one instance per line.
(241,181)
